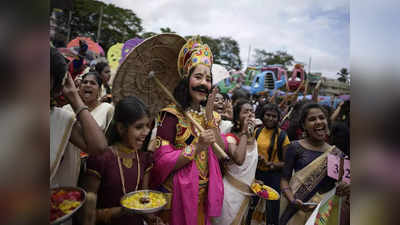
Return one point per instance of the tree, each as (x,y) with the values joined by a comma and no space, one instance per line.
(269,58)
(225,51)
(118,24)
(146,35)
(166,30)
(229,53)
(343,75)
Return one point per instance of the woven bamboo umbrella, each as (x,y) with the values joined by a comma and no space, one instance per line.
(158,54)
(150,73)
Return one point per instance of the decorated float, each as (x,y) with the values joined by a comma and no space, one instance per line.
(296,78)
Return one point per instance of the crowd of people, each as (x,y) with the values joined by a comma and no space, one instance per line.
(104,147)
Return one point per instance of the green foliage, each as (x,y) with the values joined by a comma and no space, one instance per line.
(118,24)
(269,58)
(146,35)
(229,53)
(150,34)
(166,30)
(225,51)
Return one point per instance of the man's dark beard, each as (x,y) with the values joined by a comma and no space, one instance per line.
(201,88)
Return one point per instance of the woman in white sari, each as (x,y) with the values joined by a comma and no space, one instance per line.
(90,90)
(66,128)
(240,172)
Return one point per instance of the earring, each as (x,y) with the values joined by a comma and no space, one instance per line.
(304,134)
(237,125)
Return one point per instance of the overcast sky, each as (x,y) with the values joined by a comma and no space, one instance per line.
(306,28)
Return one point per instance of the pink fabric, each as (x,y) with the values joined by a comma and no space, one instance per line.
(186,185)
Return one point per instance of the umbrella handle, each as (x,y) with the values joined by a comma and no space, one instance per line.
(216,147)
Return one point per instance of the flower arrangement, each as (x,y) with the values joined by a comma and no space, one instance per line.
(265,191)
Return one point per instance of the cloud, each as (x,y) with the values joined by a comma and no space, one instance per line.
(308,28)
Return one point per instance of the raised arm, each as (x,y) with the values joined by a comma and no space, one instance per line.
(284,100)
(272,99)
(296,93)
(316,91)
(305,89)
(335,114)
(86,134)
(213,122)
(237,150)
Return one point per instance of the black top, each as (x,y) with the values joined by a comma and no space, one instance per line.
(297,157)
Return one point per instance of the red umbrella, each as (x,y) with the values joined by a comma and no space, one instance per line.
(72,53)
(92,46)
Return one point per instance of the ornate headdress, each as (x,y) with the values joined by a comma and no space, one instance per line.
(193,53)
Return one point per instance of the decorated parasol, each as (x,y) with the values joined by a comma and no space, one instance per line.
(73,52)
(92,46)
(158,54)
(128,46)
(219,73)
(150,73)
(114,55)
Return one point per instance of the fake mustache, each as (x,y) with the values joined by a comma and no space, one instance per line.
(201,88)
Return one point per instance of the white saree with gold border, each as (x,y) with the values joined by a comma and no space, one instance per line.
(237,192)
(64,162)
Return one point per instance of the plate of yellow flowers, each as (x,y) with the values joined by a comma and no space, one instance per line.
(265,192)
(144,201)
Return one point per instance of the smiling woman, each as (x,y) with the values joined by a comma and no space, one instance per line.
(308,158)
(89,90)
(125,168)
(102,113)
(103,69)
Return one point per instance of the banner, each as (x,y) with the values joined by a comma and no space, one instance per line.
(327,212)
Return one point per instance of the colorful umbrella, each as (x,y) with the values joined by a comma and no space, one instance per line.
(72,53)
(114,55)
(128,46)
(92,46)
(158,54)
